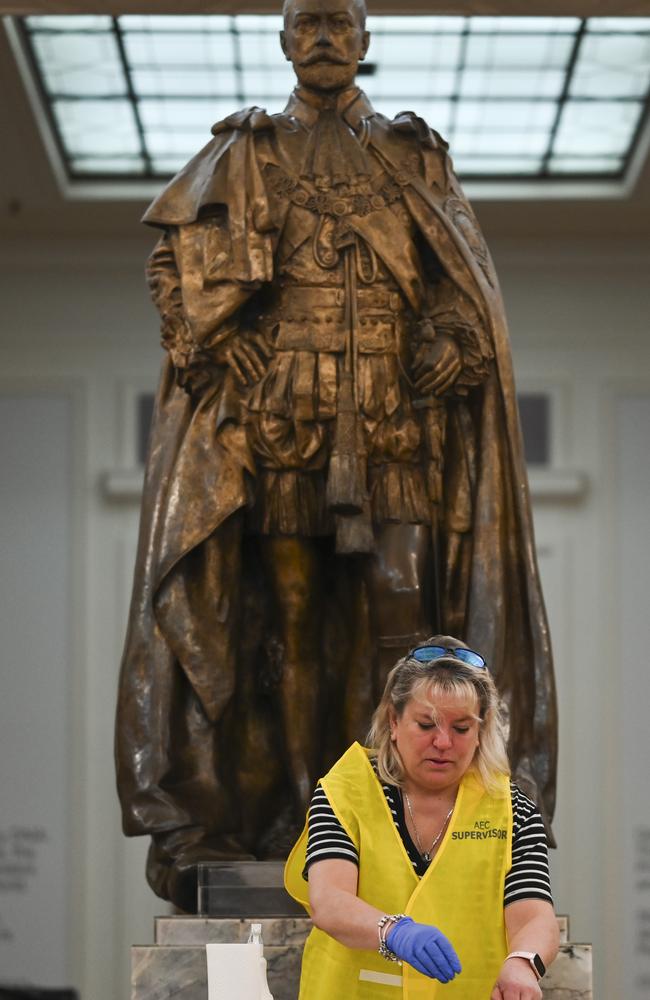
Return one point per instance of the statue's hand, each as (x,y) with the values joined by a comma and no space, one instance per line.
(247,355)
(194,373)
(436,365)
(195,378)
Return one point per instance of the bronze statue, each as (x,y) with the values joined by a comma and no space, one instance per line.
(335,467)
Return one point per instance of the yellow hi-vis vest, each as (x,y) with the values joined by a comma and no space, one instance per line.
(461,892)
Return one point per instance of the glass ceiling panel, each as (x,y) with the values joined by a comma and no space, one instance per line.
(168,142)
(613,24)
(172,22)
(597,128)
(186,49)
(401,83)
(121,165)
(425,51)
(97,127)
(518,50)
(195,82)
(390,25)
(261,47)
(525,25)
(514,96)
(586,164)
(196,116)
(168,165)
(500,143)
(506,82)
(73,22)
(270,24)
(612,67)
(480,116)
(489,166)
(80,63)
(275,82)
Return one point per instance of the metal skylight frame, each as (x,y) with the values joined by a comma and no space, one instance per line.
(148,180)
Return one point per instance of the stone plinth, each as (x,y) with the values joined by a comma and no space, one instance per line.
(276,931)
(571,975)
(175,966)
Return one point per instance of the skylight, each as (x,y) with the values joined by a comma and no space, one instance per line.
(533,97)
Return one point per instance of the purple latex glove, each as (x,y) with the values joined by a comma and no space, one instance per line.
(425,948)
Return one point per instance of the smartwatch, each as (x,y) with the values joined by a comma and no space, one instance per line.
(533,960)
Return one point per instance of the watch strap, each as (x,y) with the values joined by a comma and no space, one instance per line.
(533,959)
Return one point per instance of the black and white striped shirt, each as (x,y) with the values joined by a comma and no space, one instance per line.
(528,877)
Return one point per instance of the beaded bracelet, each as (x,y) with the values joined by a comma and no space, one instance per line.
(382,930)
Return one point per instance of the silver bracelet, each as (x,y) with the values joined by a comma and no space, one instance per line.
(382,930)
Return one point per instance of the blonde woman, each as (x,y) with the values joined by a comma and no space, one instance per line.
(424,868)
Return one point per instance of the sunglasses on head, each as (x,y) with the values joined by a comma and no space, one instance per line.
(426,654)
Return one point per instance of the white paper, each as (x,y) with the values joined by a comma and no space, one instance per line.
(236,972)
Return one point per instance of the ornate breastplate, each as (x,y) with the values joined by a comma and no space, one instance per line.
(337,183)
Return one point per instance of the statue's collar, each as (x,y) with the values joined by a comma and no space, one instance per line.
(352,104)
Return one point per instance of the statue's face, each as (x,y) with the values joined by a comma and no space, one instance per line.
(324,40)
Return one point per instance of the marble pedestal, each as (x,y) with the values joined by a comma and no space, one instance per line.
(175,966)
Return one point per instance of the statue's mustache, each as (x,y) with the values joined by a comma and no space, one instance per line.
(322,57)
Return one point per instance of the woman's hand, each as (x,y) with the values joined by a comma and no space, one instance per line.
(531,925)
(516,981)
(425,948)
(337,910)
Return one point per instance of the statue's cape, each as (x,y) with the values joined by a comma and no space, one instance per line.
(204,180)
(199,469)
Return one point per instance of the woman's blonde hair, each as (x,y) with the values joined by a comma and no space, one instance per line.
(444,678)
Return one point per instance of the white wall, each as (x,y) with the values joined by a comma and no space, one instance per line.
(36,828)
(580,320)
(77,319)
(77,315)
(632,429)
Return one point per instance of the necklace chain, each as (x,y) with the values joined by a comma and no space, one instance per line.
(426,854)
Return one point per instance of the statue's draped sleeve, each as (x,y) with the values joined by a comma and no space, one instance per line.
(197,320)
(216,250)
